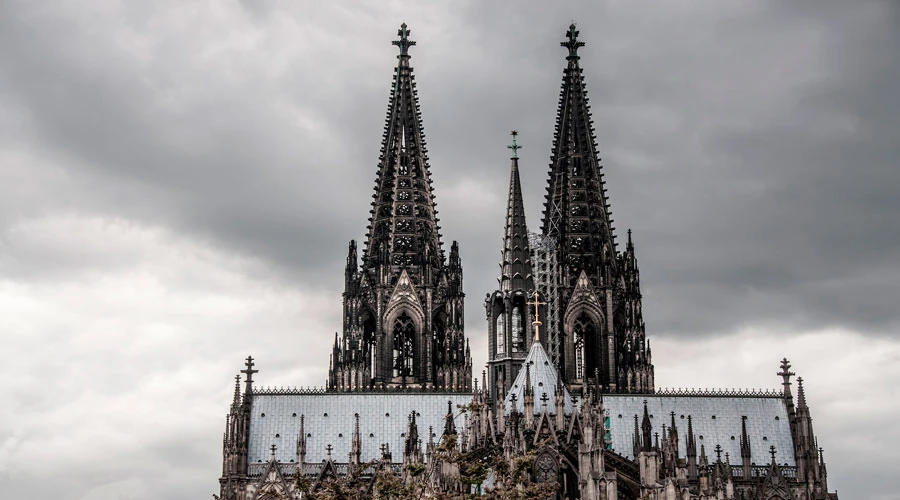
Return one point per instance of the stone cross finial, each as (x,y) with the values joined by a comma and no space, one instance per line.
(544,398)
(786,375)
(572,43)
(273,448)
(514,147)
(328,449)
(404,42)
(772,452)
(537,321)
(718,453)
(249,371)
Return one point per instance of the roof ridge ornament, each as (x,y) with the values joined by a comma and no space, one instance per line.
(572,43)
(404,42)
(537,321)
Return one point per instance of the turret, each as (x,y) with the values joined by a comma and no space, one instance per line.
(449,423)
(509,325)
(355,444)
(646,430)
(301,444)
(350,277)
(412,450)
(690,450)
(745,448)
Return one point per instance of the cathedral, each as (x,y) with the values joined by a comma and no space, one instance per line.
(569,380)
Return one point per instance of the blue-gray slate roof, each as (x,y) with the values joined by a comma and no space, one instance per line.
(715,420)
(544,378)
(329,419)
(383,419)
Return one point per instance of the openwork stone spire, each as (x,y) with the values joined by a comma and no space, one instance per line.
(510,326)
(576,212)
(403,226)
(597,289)
(403,306)
(516,264)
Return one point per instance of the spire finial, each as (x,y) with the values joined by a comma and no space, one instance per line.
(273,448)
(404,42)
(772,452)
(572,43)
(514,147)
(249,371)
(786,375)
(537,321)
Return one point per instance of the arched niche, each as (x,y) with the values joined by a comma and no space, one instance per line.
(586,334)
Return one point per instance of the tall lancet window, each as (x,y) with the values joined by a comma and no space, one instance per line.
(518,340)
(500,332)
(404,352)
(584,333)
(579,358)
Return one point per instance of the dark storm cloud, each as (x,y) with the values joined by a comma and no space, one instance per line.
(751,148)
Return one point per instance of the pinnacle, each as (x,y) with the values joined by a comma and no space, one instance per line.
(516,256)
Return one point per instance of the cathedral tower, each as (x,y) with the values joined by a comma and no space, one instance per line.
(509,321)
(403,306)
(599,295)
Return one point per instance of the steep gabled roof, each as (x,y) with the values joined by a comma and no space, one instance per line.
(543,381)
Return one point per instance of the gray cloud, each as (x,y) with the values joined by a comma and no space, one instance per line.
(751,146)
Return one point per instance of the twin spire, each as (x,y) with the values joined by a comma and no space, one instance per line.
(403,225)
(576,213)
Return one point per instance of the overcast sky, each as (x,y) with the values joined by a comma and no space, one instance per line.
(180,181)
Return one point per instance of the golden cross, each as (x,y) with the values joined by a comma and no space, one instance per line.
(537,321)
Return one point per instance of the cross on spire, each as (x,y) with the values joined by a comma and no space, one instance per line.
(537,321)
(572,43)
(772,452)
(514,147)
(249,371)
(786,374)
(328,449)
(718,453)
(544,398)
(404,42)
(273,448)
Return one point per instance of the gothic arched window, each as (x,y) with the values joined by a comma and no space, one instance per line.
(500,332)
(404,346)
(587,357)
(545,468)
(518,340)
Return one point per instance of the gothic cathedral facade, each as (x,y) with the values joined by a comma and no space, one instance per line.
(569,380)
